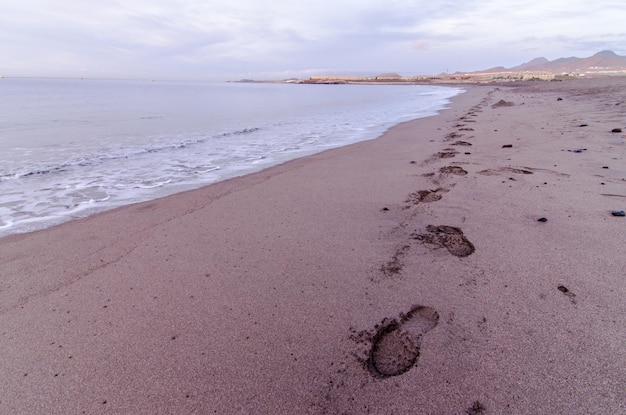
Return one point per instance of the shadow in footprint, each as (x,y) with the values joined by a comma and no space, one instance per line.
(396,345)
(448,237)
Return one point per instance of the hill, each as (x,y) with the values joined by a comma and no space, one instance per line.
(602,62)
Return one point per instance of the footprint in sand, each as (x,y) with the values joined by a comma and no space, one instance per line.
(448,237)
(426,196)
(452,136)
(493,172)
(503,103)
(446,154)
(456,170)
(396,344)
(568,293)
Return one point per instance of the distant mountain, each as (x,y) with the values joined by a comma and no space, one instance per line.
(605,61)
(532,64)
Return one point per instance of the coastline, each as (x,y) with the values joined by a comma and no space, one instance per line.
(264,293)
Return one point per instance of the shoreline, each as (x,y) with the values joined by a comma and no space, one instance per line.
(43,191)
(265,293)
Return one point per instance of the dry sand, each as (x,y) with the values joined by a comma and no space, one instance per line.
(400,275)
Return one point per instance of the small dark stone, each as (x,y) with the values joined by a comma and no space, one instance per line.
(605,167)
(618,213)
(583,125)
(563,289)
(467,152)
(559,99)
(413,161)
(542,219)
(476,409)
(507,146)
(385,209)
(616,130)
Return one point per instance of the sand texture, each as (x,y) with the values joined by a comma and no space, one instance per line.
(405,275)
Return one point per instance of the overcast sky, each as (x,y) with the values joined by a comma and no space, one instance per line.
(261,39)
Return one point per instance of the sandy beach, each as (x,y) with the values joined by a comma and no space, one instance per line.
(404,275)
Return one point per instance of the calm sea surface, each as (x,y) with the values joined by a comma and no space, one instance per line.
(70,148)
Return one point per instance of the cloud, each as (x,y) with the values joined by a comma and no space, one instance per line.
(216,38)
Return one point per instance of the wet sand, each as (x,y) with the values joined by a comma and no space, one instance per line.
(407,274)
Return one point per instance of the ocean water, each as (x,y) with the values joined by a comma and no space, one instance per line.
(70,148)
